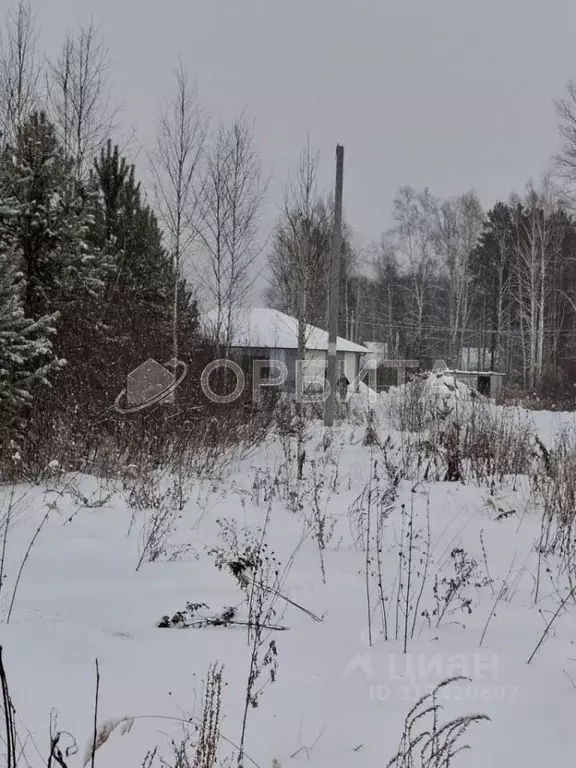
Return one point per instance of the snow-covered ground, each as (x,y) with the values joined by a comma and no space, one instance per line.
(338,700)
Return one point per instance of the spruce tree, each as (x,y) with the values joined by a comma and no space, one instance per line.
(61,276)
(61,273)
(26,352)
(137,308)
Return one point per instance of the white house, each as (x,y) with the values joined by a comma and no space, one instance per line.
(267,334)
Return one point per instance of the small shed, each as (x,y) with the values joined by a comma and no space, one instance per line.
(487,383)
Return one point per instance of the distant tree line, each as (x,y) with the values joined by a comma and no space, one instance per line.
(448,280)
(494,290)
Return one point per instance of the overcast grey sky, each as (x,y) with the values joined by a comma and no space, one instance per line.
(441,93)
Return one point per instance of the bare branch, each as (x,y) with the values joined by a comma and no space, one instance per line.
(79,96)
(19,69)
(228,223)
(565,160)
(299,258)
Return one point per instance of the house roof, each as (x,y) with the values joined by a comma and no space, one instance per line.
(269,328)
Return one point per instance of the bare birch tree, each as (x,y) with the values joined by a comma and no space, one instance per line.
(177,171)
(566,157)
(414,235)
(79,96)
(385,298)
(459,224)
(299,255)
(539,238)
(229,214)
(19,69)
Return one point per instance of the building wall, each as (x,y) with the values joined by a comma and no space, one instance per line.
(288,357)
(316,363)
(347,363)
(314,367)
(351,365)
(496,383)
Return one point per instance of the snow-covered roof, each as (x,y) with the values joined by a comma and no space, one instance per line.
(474,373)
(271,329)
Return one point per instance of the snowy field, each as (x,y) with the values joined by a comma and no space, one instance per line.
(449,572)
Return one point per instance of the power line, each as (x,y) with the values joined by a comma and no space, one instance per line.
(415,326)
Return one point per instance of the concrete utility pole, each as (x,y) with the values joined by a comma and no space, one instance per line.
(334,287)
